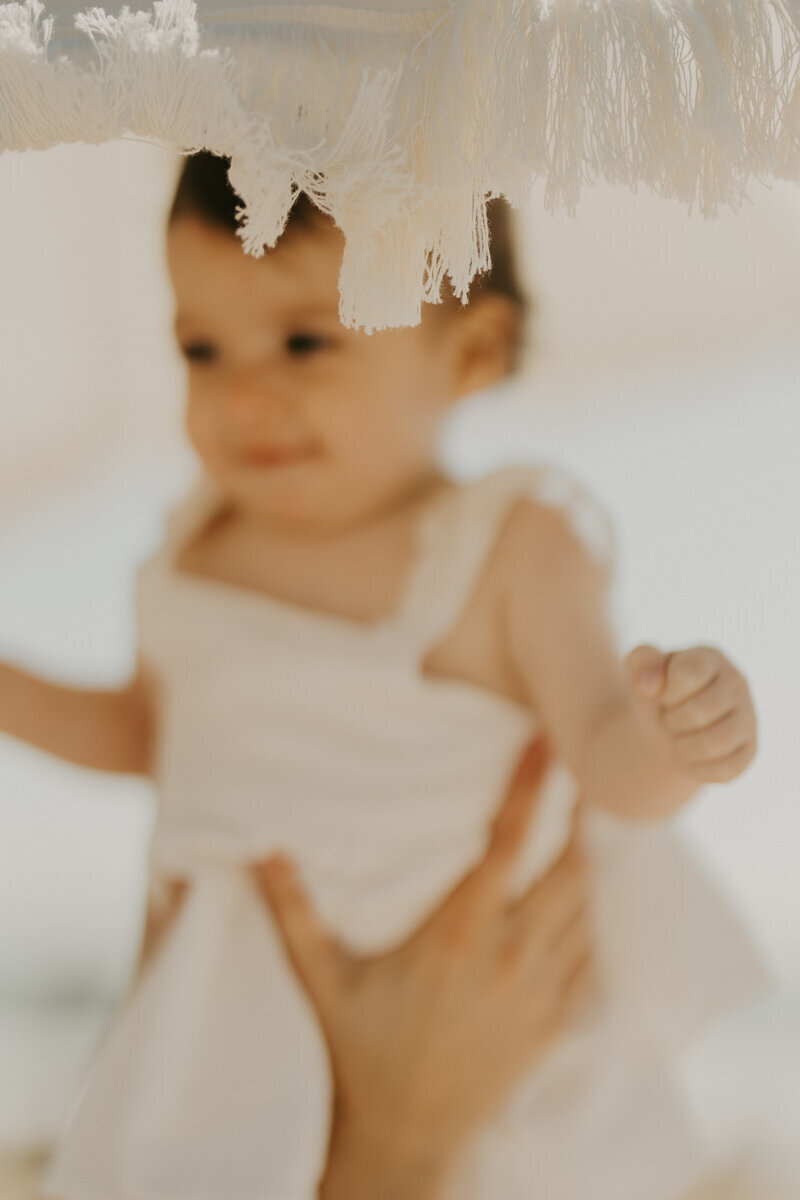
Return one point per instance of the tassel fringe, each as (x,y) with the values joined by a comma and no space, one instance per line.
(401,125)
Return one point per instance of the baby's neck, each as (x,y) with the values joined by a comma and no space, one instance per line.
(358,572)
(376,521)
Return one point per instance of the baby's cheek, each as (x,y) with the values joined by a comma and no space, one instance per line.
(201,429)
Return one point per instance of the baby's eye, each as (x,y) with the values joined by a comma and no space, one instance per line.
(201,352)
(301,345)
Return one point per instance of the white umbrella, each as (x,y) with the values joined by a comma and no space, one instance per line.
(400,118)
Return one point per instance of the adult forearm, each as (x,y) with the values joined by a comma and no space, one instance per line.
(103,730)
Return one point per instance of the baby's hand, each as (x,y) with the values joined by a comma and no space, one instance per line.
(704,705)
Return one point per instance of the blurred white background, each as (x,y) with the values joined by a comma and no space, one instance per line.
(665,374)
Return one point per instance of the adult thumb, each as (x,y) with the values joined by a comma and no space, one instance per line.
(646,667)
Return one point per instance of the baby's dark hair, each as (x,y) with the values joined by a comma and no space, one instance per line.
(203,190)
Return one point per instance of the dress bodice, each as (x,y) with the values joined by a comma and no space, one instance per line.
(287,728)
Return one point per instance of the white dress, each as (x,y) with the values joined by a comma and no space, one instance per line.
(287,728)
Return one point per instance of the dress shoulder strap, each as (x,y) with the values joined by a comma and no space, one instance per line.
(183,521)
(458,535)
(192,512)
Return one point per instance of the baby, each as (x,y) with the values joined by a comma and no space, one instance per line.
(342,653)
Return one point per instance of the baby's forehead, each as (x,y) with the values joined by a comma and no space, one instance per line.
(216,282)
(299,275)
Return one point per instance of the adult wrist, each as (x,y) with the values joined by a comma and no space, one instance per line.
(360,1167)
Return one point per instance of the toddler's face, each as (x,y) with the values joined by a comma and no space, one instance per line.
(300,420)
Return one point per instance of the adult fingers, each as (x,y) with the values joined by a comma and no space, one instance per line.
(555,969)
(551,901)
(571,984)
(317,957)
(476,900)
(572,946)
(461,918)
(580,984)
(514,816)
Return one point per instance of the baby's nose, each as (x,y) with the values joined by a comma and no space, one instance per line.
(252,396)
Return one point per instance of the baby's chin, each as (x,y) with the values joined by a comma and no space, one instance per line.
(294,502)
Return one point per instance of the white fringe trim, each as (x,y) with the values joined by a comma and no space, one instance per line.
(401,124)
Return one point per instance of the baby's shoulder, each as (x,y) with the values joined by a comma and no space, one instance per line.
(544,522)
(532,539)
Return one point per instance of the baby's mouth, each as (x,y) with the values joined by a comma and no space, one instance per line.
(279,456)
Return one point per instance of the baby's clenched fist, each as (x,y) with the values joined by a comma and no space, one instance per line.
(703,703)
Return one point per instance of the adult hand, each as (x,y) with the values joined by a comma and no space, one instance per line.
(427,1039)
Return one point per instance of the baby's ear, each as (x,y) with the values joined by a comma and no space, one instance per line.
(487,331)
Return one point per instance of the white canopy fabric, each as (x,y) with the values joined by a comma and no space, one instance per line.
(400,118)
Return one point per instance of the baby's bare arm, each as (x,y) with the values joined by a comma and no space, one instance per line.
(103,730)
(629,753)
